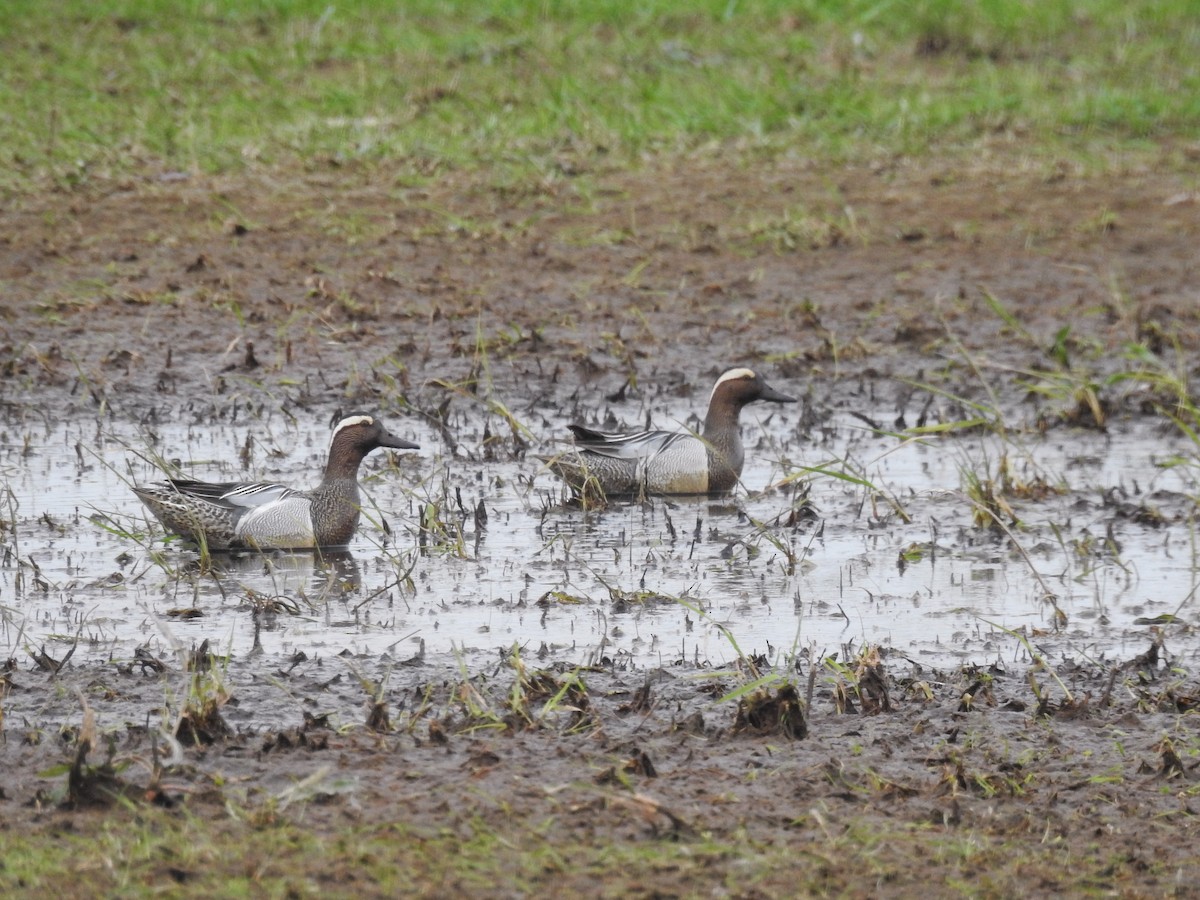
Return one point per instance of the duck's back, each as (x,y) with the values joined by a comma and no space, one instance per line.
(644,462)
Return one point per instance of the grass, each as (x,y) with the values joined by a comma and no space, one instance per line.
(253,853)
(168,852)
(107,88)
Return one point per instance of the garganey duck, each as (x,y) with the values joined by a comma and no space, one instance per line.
(669,462)
(256,515)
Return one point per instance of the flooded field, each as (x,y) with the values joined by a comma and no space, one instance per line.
(836,541)
(695,681)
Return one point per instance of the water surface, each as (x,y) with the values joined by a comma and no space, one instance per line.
(638,584)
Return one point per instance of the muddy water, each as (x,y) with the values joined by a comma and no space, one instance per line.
(638,584)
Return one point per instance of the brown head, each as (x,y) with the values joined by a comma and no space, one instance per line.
(735,389)
(355,436)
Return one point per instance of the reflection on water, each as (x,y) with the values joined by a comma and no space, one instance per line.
(480,556)
(324,573)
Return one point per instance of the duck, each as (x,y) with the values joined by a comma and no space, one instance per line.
(669,462)
(264,515)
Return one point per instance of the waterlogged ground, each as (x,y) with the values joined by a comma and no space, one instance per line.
(823,565)
(945,625)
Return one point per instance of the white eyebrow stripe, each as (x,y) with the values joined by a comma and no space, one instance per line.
(730,376)
(351,421)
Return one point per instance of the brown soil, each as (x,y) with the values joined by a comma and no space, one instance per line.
(165,299)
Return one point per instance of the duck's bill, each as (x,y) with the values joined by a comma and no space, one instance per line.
(390,440)
(769,393)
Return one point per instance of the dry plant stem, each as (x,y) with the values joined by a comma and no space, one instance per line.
(1048,595)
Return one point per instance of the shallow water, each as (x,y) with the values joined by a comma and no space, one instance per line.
(638,584)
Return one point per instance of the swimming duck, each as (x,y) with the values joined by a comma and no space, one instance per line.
(238,515)
(668,462)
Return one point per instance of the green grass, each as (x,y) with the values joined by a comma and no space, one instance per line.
(158,853)
(103,88)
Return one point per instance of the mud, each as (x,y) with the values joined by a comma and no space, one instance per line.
(462,306)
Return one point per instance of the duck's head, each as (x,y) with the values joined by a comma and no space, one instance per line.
(740,385)
(361,433)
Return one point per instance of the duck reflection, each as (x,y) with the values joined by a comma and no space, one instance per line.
(319,574)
